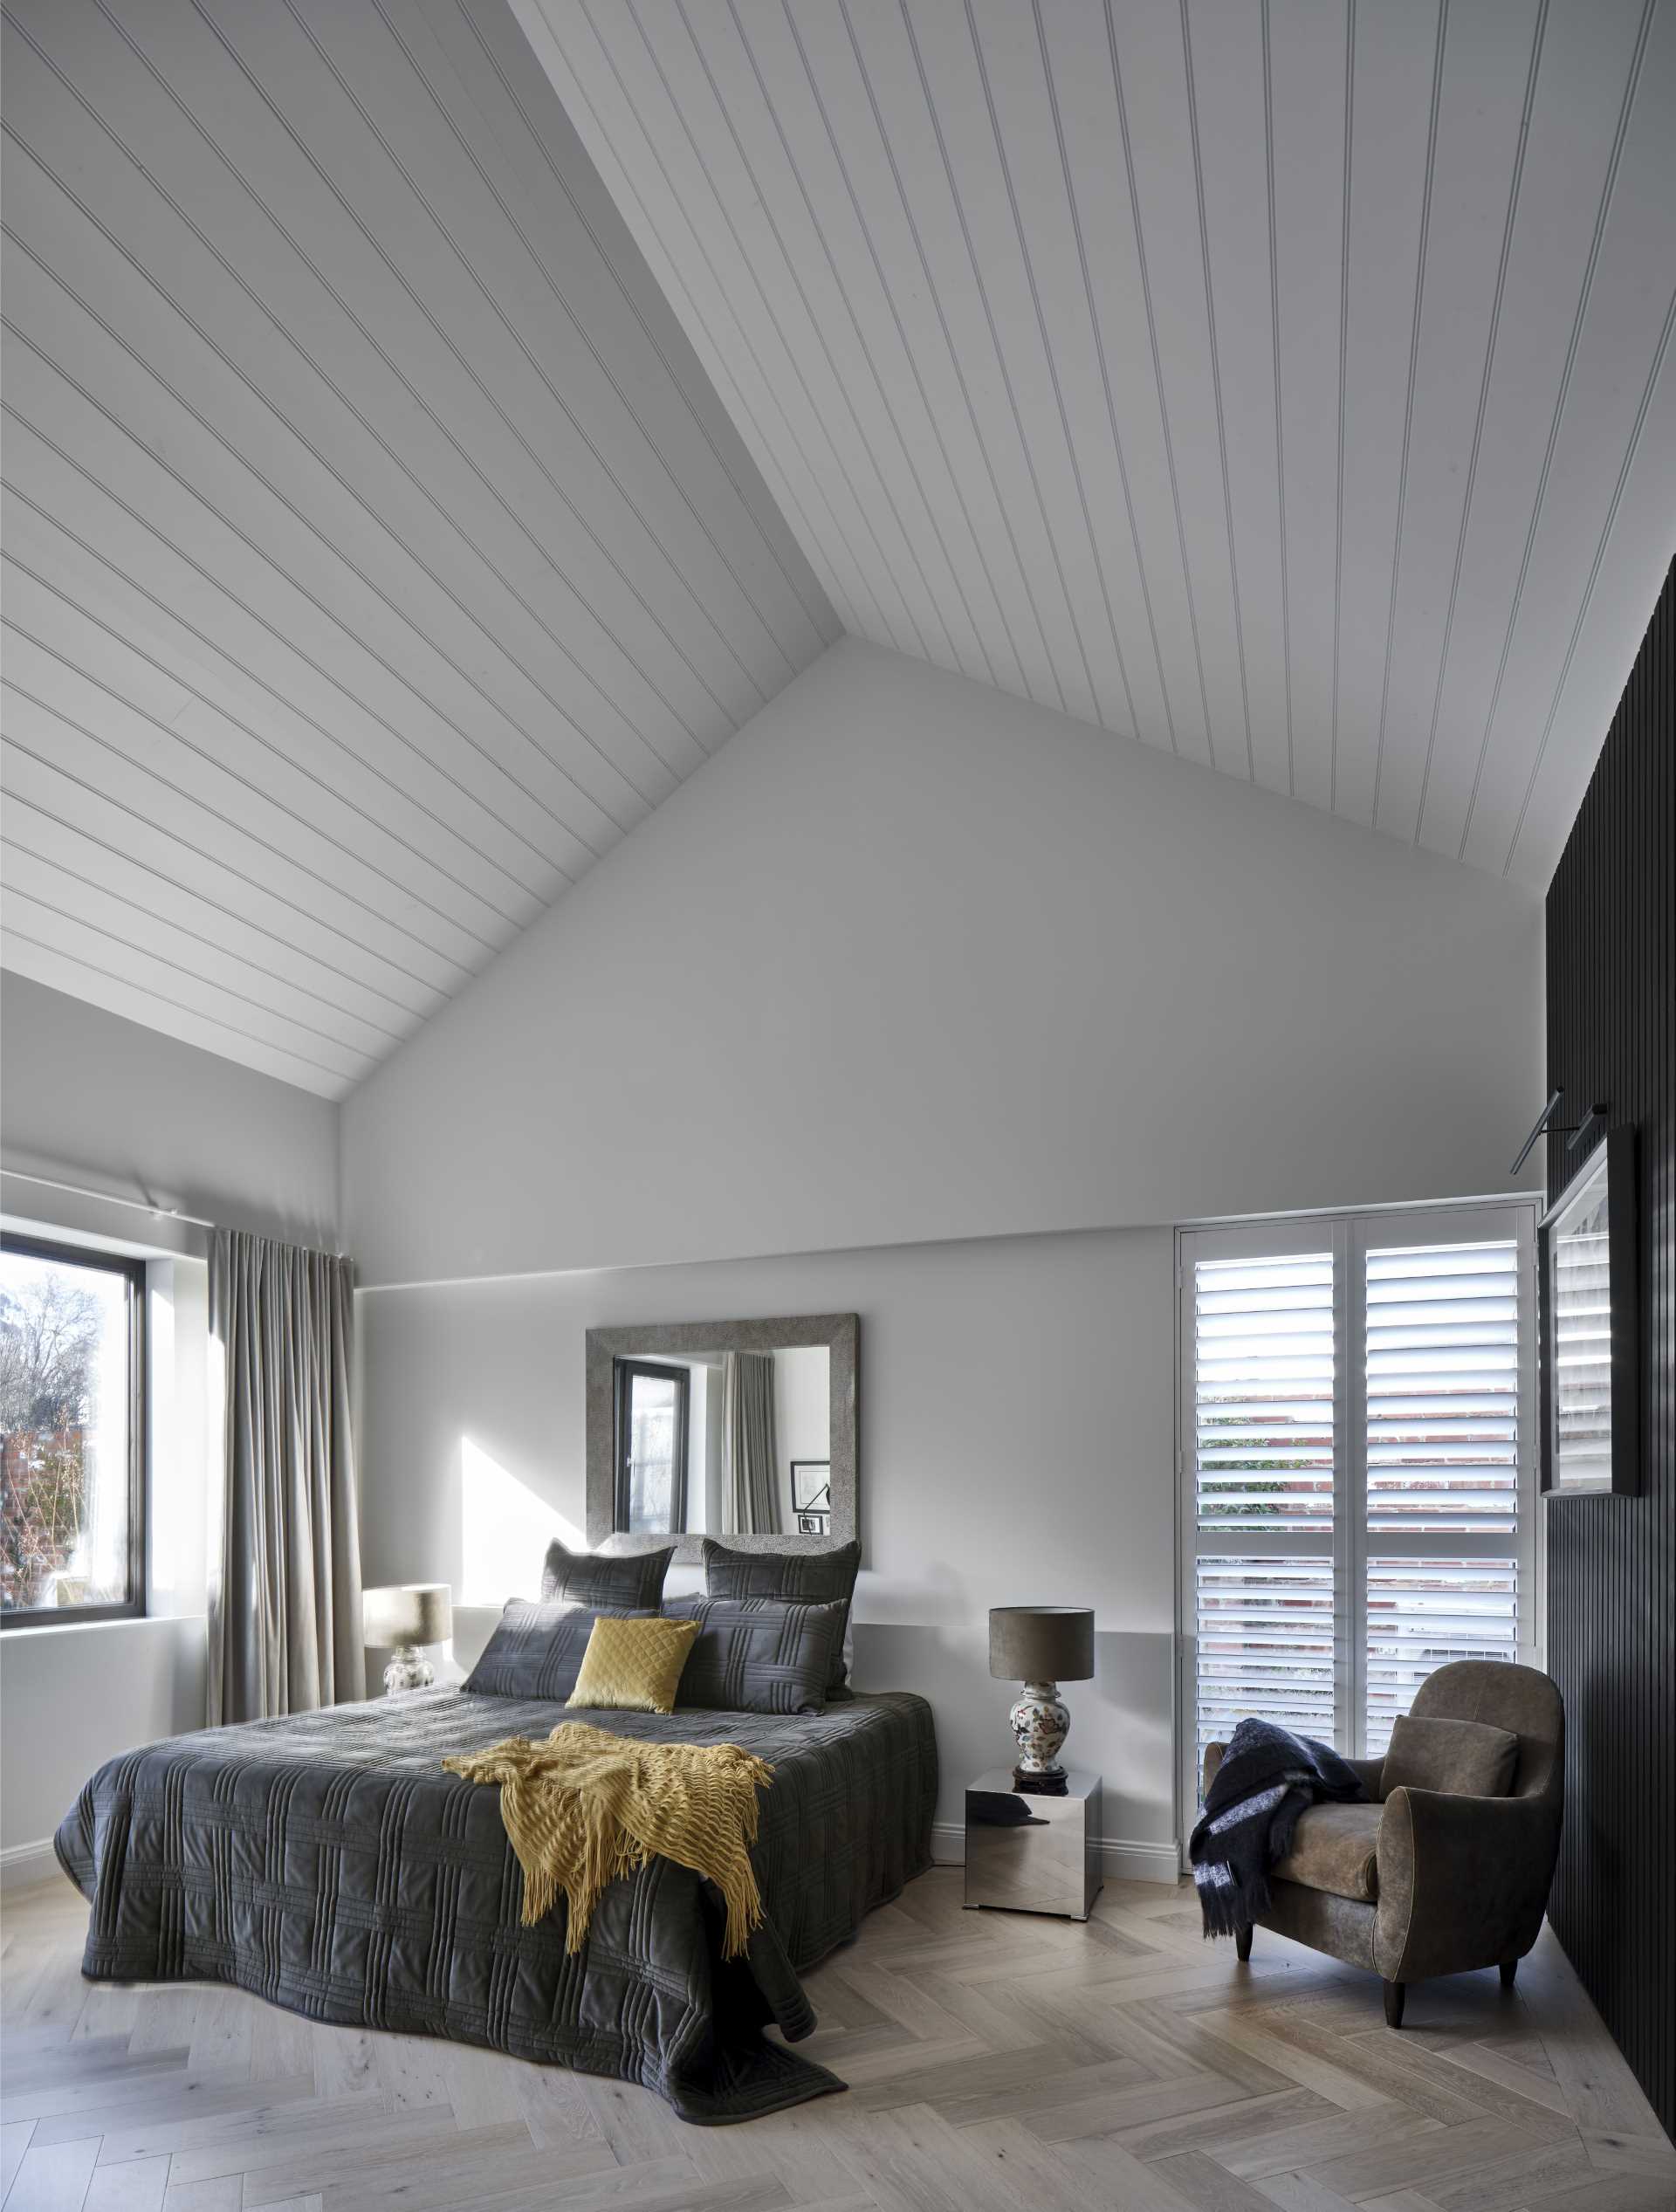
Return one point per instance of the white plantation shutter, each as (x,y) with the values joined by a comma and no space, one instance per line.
(1357,1465)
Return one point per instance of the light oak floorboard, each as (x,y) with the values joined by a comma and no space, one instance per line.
(996,2063)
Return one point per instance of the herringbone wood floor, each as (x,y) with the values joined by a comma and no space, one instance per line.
(996,2064)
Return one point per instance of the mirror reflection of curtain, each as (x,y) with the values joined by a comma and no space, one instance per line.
(749,1452)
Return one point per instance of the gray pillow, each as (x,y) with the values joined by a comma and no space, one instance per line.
(612,1581)
(794,1577)
(1461,1758)
(536,1651)
(757,1655)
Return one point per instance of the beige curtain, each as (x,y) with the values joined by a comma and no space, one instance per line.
(284,1617)
(749,1452)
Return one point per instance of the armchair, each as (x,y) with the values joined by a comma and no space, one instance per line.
(1423,1882)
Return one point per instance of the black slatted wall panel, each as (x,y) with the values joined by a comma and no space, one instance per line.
(1612,1562)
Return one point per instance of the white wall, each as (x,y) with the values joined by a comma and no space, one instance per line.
(88,1097)
(979,969)
(1016,1442)
(802,1414)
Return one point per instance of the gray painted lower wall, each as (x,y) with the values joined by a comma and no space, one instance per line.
(1016,1446)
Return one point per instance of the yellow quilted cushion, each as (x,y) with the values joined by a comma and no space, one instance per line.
(633,1666)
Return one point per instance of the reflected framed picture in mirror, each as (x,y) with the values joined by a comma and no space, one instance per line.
(1590,1327)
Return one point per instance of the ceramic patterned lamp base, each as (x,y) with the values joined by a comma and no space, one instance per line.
(1041,1723)
(409,1670)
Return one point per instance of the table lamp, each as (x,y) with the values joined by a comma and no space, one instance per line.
(406,1616)
(1040,1646)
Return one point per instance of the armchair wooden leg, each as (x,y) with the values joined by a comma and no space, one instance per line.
(1395,1992)
(1242,1943)
(1509,1968)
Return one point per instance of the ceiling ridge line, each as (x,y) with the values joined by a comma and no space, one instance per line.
(1216,385)
(865,231)
(84,836)
(1594,576)
(1408,411)
(1001,358)
(1643,35)
(209,1020)
(495,495)
(746,501)
(403,285)
(1158,375)
(335,621)
(1052,377)
(47,706)
(434,991)
(149,368)
(538,261)
(888,410)
(164,921)
(866,443)
(934,297)
(1280,413)
(1343,342)
(289,706)
(1098,338)
(1483,403)
(610,473)
(750,277)
(224,715)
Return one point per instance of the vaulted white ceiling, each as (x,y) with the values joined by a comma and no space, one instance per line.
(377,553)
(419,455)
(1288,384)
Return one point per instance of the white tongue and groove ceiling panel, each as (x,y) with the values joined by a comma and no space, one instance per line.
(1288,385)
(377,553)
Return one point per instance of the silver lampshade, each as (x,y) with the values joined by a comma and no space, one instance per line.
(1041,1643)
(408,1613)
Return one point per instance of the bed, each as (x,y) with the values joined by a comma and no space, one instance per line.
(326,1863)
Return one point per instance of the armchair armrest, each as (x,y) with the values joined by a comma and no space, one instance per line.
(1463,1881)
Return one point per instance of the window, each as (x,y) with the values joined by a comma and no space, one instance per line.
(72,1433)
(1357,1447)
(652,1447)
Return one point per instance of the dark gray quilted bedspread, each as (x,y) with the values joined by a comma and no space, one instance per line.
(326,1863)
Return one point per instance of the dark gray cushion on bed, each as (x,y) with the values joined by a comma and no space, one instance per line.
(794,1577)
(757,1655)
(615,1582)
(536,1651)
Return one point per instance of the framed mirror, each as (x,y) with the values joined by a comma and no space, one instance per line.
(1590,1332)
(744,1431)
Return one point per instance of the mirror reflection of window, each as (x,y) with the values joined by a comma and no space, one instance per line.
(652,1406)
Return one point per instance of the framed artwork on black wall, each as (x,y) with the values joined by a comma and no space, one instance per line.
(1590,1327)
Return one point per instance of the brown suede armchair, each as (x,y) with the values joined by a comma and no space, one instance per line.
(1421,1882)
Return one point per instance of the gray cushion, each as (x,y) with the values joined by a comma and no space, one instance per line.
(536,1651)
(1462,1758)
(757,1655)
(794,1577)
(614,1582)
(1333,1849)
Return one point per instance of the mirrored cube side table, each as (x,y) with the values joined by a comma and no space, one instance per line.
(1031,1854)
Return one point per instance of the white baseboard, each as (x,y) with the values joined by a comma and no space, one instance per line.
(21,1864)
(1123,1862)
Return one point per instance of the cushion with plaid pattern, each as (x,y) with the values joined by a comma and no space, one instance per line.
(615,1582)
(794,1577)
(757,1654)
(537,1651)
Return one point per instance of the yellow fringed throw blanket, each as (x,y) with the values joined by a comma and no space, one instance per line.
(586,1806)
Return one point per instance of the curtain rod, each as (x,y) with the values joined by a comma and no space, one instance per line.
(108,1197)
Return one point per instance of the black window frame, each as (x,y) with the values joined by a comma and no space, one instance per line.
(627,1370)
(133,1271)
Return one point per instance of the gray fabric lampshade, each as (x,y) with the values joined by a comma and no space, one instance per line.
(414,1613)
(1041,1643)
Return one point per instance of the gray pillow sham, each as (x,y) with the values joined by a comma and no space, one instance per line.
(795,1578)
(757,1655)
(609,1580)
(1462,1758)
(536,1651)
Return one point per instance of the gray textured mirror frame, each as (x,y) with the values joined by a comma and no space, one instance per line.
(839,1333)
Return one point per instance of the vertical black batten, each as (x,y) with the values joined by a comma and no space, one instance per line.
(1611,1560)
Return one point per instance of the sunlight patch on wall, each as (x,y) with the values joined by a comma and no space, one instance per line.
(505,1529)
